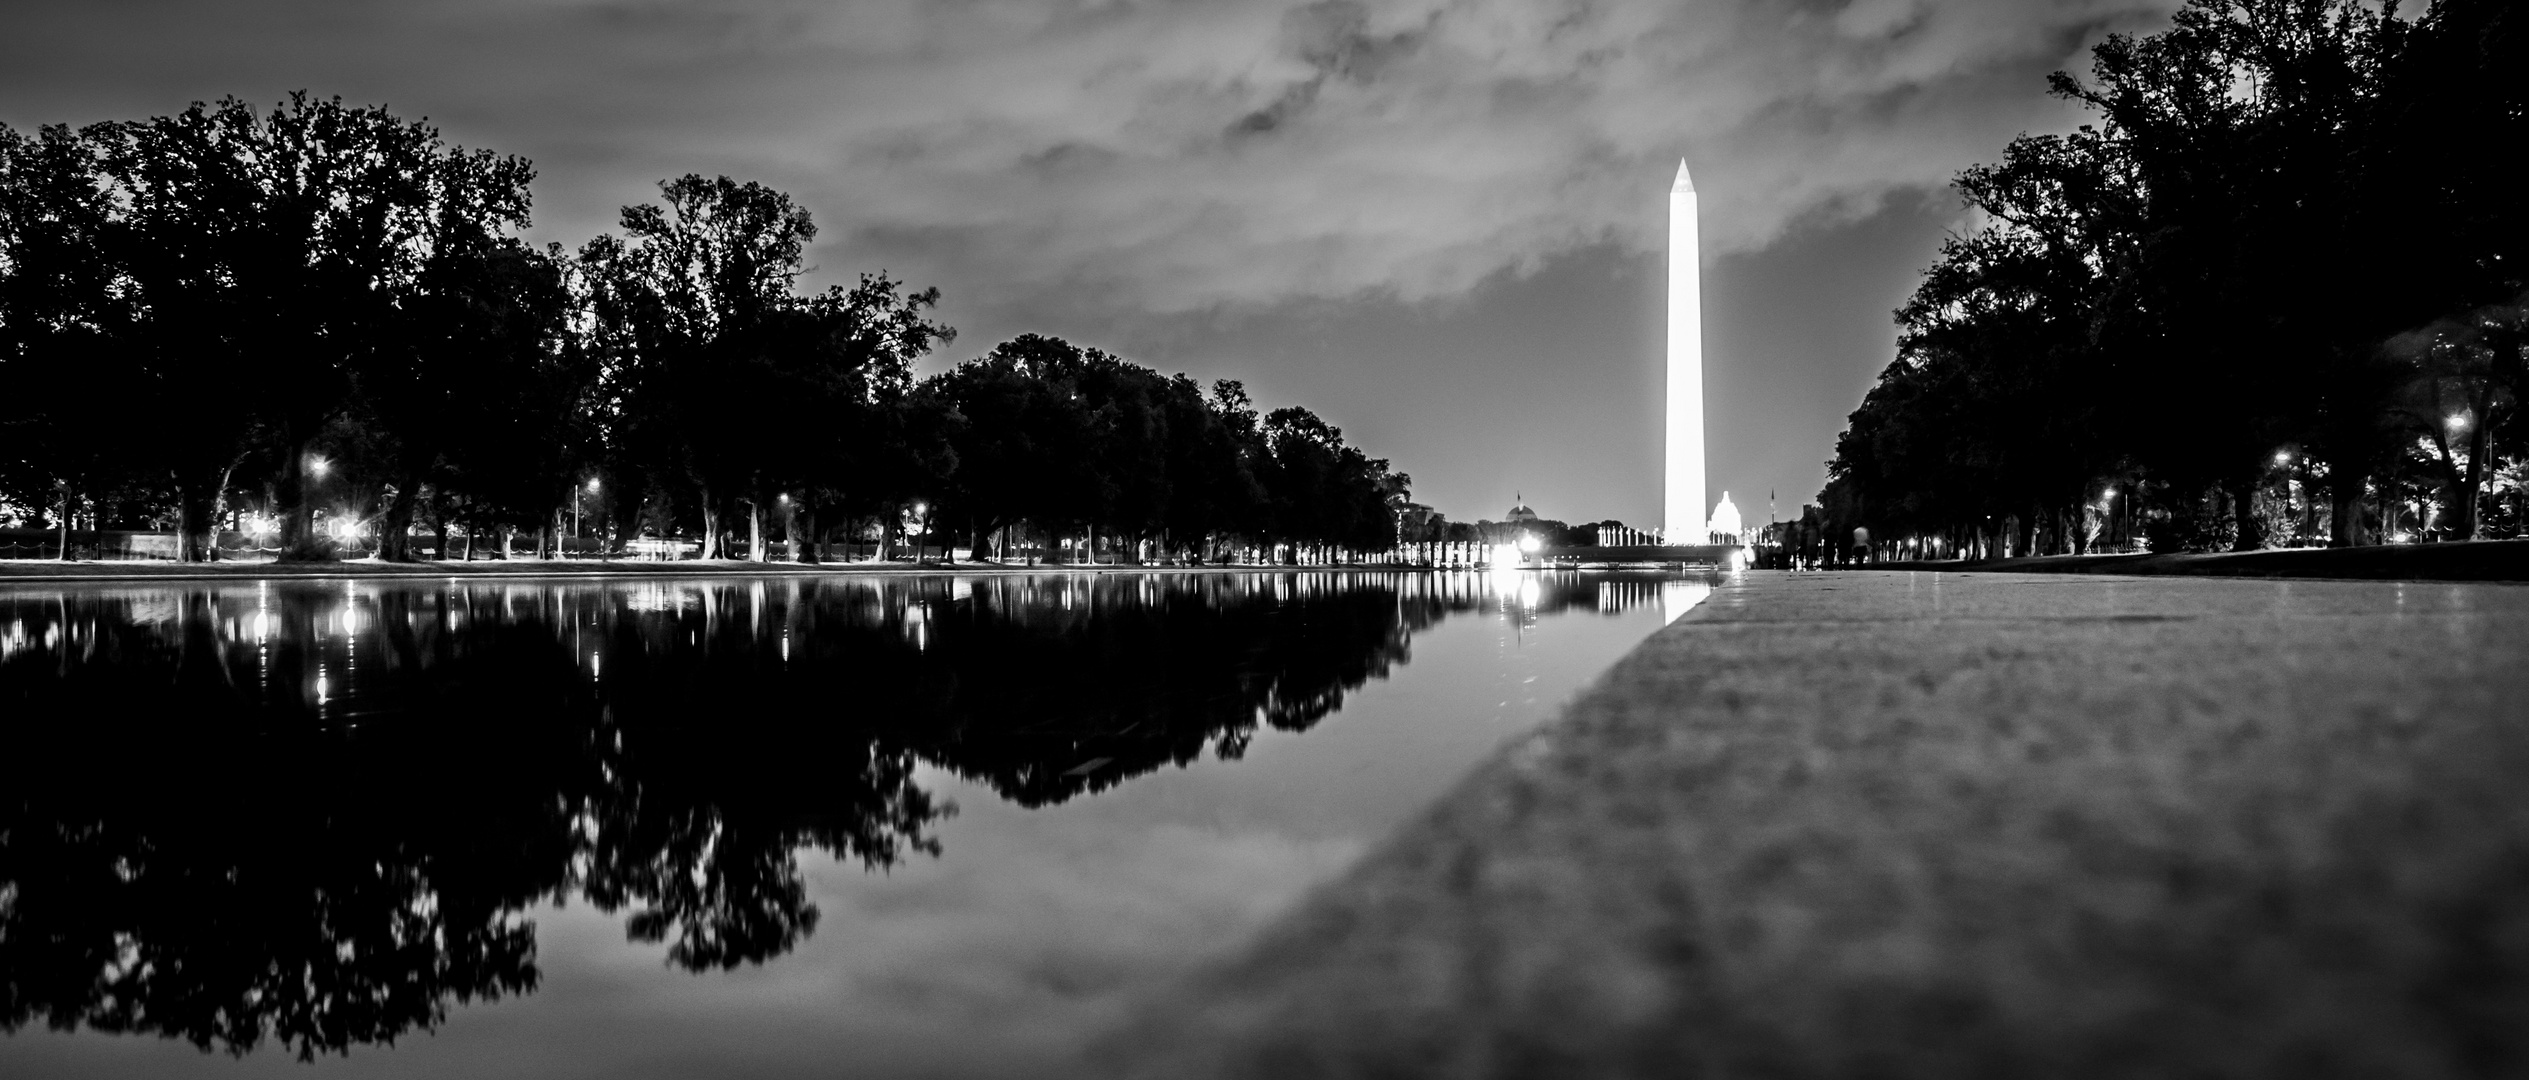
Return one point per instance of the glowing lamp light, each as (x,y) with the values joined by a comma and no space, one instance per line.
(592,485)
(2282,457)
(1505,556)
(1528,544)
(319,466)
(2458,421)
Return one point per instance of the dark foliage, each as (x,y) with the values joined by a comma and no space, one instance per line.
(2254,302)
(320,324)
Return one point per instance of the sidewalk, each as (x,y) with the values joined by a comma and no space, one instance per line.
(1944,825)
(2475,560)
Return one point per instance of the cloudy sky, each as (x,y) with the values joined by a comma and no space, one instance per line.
(1436,222)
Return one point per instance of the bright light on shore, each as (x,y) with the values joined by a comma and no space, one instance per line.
(1505,557)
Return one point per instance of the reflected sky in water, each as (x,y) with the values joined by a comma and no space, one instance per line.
(931,826)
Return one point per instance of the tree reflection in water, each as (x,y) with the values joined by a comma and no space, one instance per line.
(317,813)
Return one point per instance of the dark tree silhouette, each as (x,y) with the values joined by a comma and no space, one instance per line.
(2263,252)
(325,311)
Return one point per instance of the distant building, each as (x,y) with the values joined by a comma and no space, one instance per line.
(1725,526)
(1520,521)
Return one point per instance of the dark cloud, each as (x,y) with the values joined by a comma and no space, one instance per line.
(1109,151)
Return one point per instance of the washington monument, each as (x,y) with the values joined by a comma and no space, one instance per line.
(1683,516)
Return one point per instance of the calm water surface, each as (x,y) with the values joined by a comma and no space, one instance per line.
(933,826)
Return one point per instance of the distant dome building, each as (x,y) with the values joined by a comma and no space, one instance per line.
(1519,513)
(1725,524)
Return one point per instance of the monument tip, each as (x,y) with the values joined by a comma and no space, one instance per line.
(1684,181)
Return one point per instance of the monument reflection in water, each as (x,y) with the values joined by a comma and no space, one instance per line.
(317,813)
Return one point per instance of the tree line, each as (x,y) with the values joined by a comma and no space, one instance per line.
(2275,291)
(323,319)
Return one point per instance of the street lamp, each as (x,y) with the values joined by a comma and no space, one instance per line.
(575,507)
(2107,508)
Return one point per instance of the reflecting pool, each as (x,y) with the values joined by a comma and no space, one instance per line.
(880,826)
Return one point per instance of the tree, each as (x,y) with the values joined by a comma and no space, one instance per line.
(484,311)
(694,294)
(851,430)
(65,336)
(2201,278)
(1025,444)
(271,254)
(2245,125)
(1323,492)
(2472,380)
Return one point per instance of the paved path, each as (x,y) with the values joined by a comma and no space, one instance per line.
(2475,560)
(1944,825)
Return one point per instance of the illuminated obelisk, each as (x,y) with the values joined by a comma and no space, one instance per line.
(1683,517)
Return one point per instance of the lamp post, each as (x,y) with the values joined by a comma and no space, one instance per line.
(2107,508)
(593,486)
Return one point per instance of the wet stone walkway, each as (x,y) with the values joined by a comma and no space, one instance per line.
(1945,825)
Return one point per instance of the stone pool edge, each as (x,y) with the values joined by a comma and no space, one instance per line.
(2062,828)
